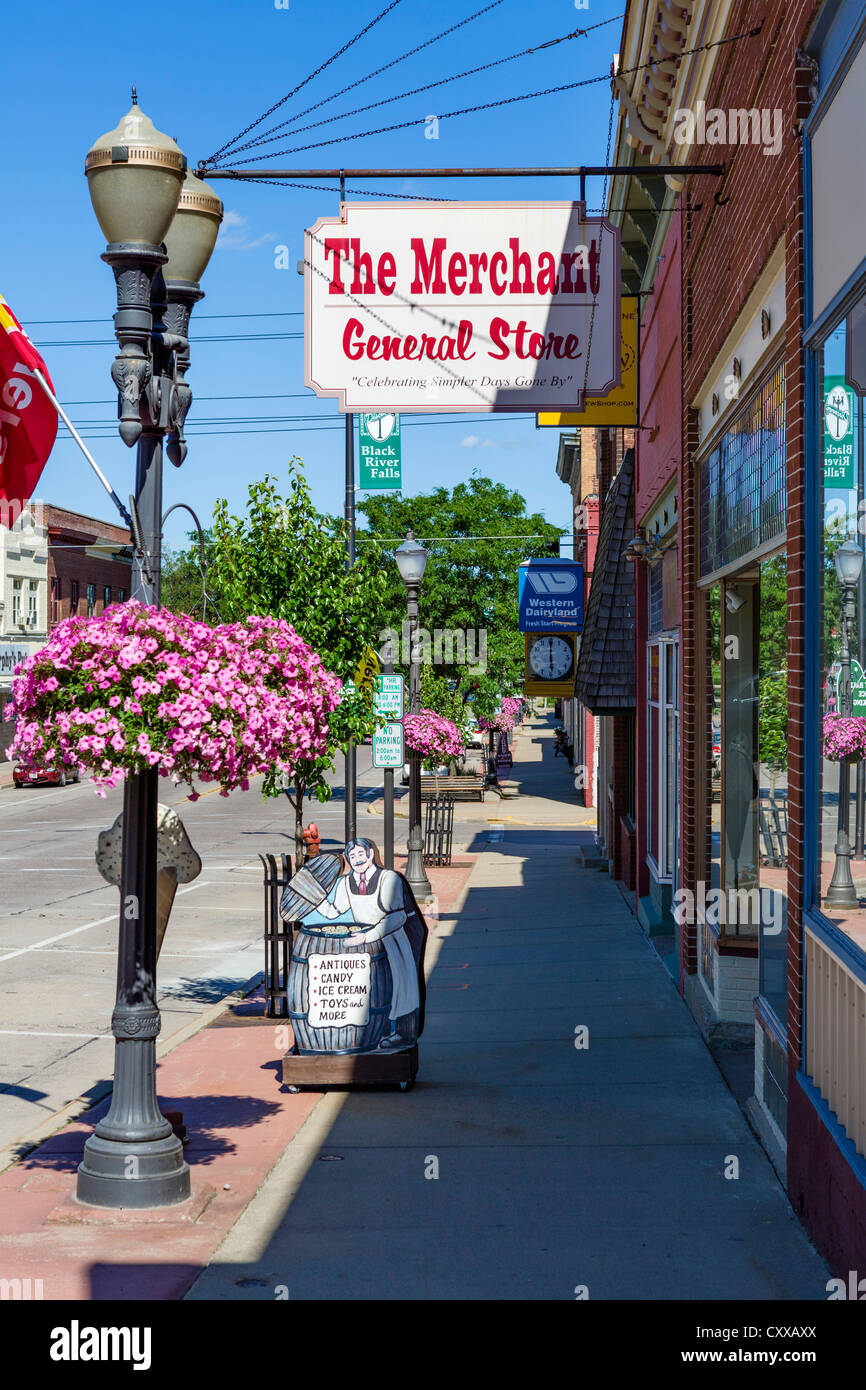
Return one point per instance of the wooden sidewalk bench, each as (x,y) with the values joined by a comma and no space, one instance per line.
(461,788)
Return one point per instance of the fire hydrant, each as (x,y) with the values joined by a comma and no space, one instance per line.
(312,842)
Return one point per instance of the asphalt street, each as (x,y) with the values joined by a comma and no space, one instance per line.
(58,928)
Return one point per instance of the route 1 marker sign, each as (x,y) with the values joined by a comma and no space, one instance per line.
(380,461)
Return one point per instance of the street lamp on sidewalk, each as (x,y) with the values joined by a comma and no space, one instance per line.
(161,225)
(849,563)
(411,562)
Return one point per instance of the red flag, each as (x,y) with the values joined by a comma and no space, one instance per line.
(28,420)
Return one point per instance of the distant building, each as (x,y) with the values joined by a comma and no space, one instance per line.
(54,563)
(89,564)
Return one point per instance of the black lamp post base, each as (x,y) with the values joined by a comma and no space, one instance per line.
(134,1176)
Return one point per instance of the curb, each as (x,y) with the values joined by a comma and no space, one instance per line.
(19,1148)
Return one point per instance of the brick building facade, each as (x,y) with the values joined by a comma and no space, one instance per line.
(742,320)
(89,564)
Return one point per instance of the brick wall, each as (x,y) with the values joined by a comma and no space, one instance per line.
(725,247)
(69,536)
(661,403)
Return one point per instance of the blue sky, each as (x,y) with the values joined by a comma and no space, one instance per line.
(220,66)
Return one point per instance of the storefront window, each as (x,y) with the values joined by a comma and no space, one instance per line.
(662,755)
(747,713)
(841,886)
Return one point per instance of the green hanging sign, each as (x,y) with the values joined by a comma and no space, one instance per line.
(380,461)
(858,689)
(839,420)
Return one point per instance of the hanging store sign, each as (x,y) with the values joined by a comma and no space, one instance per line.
(839,421)
(619,406)
(380,464)
(462,306)
(550,596)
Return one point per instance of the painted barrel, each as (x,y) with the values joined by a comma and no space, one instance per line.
(337,1038)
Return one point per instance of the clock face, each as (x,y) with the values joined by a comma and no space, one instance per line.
(551,658)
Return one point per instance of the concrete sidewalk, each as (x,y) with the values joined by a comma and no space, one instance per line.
(526,1164)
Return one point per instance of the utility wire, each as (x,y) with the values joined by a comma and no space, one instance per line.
(320,68)
(441,82)
(219,338)
(503,101)
(286,314)
(262,139)
(316,429)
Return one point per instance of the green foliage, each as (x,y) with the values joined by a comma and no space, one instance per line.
(184,584)
(470,585)
(437,695)
(287,560)
(773,619)
(773,720)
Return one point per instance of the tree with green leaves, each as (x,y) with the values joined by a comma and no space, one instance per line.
(188,584)
(287,560)
(470,583)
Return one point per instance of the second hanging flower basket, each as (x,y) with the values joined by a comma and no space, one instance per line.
(844,737)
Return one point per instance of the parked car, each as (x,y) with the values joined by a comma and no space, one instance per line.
(23,776)
(474,737)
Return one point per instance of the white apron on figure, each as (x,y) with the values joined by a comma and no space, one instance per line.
(382,910)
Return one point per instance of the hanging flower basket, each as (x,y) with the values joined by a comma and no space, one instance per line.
(433,736)
(140,687)
(498,723)
(844,737)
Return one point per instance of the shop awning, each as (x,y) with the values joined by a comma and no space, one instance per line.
(605,678)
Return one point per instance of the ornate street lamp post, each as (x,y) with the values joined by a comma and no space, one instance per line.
(411,562)
(841,891)
(161,224)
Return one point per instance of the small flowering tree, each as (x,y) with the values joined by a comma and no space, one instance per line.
(437,739)
(844,737)
(140,687)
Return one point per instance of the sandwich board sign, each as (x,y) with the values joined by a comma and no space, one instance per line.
(380,464)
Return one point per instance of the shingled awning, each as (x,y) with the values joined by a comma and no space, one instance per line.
(605,678)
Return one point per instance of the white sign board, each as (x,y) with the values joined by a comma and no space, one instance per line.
(339,991)
(388,746)
(462,306)
(388,697)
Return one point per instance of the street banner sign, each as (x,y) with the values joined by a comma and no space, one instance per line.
(619,406)
(388,697)
(839,418)
(388,749)
(550,596)
(462,306)
(380,463)
(858,690)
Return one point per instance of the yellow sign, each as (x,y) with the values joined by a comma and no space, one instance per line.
(365,676)
(619,406)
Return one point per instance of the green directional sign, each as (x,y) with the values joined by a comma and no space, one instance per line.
(858,689)
(839,433)
(388,698)
(380,462)
(388,750)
